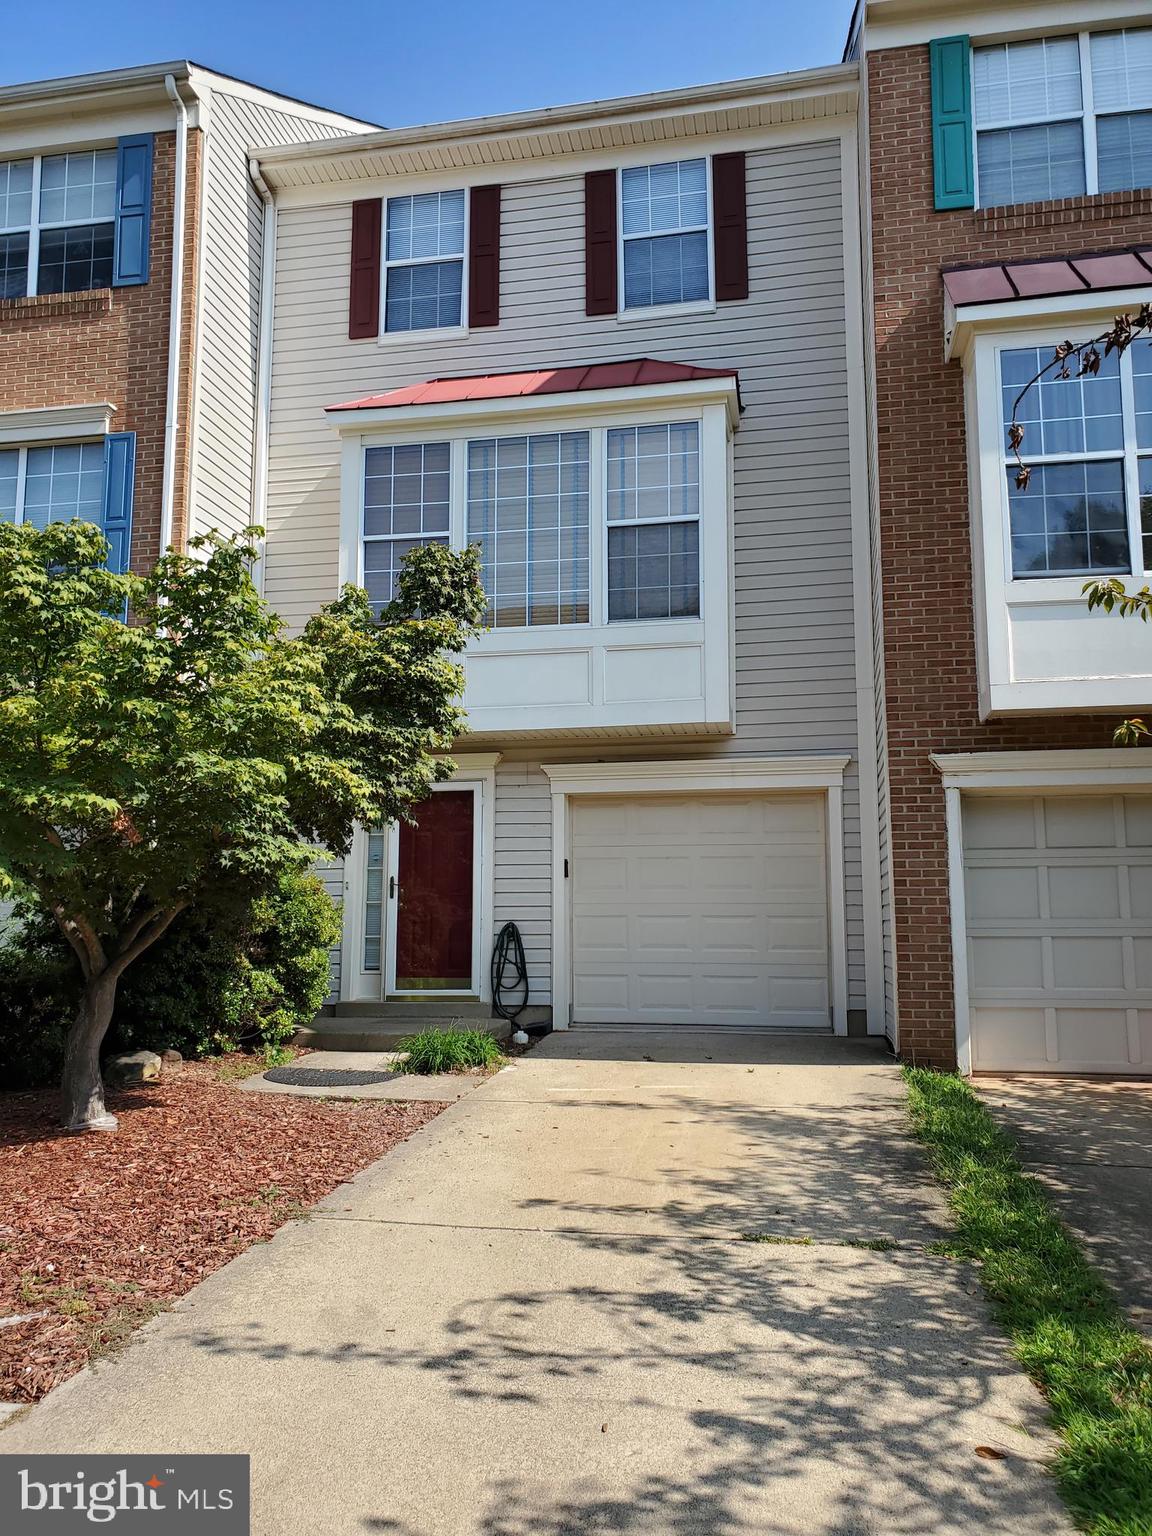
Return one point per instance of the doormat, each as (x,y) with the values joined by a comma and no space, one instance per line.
(327,1077)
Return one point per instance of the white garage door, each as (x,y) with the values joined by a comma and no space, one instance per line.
(1059,912)
(700,909)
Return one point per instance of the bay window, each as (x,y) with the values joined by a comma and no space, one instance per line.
(1087,508)
(572,526)
(1063,116)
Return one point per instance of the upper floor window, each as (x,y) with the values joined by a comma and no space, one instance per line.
(405,505)
(57,223)
(52,484)
(1063,116)
(528,512)
(573,527)
(424,262)
(664,230)
(1087,510)
(654,521)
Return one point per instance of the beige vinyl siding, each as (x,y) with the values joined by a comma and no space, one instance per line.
(229,298)
(794,639)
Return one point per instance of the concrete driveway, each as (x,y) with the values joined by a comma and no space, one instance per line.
(1090,1144)
(538,1317)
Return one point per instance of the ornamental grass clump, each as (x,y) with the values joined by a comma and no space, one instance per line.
(448,1050)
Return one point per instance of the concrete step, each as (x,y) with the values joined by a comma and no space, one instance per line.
(381,1026)
(410,1009)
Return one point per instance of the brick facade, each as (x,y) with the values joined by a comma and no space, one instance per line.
(929,644)
(112,344)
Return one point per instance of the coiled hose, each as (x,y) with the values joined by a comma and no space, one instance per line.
(509,973)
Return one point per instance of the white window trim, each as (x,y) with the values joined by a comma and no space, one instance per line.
(694,776)
(476,770)
(1087,116)
(386,337)
(991,487)
(55,424)
(685,306)
(34,228)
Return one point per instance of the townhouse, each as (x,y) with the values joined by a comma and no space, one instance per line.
(1008,208)
(619,346)
(131,255)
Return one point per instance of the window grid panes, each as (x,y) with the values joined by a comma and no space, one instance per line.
(653,508)
(528,510)
(374,900)
(1040,105)
(53,484)
(1072,517)
(424,262)
(59,238)
(664,227)
(406,505)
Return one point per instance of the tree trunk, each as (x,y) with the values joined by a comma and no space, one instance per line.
(83,1087)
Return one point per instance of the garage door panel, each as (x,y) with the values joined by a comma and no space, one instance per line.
(729,927)
(1084,890)
(1059,912)
(997,893)
(1079,822)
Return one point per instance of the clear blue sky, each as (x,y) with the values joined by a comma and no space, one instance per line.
(424,62)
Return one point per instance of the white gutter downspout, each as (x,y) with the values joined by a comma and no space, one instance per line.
(175,327)
(263,365)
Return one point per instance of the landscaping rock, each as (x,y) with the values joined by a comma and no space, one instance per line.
(171,1058)
(132,1067)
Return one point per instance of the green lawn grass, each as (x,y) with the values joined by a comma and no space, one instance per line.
(1067,1328)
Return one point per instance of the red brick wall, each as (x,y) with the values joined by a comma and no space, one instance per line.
(112,344)
(929,647)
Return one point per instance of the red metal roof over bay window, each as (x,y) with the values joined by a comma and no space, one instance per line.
(1000,282)
(544,381)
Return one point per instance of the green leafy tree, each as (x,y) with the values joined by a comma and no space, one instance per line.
(199,751)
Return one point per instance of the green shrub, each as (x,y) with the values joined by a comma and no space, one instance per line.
(448,1050)
(217,981)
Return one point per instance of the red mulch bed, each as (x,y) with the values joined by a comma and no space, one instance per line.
(100,1232)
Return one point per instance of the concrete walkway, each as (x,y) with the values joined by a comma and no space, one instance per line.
(538,1318)
(1090,1145)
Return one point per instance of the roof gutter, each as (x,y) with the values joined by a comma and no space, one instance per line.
(175,317)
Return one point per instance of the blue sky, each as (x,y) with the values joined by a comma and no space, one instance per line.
(417,62)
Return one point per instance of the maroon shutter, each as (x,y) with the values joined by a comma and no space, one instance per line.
(730,221)
(600,243)
(484,256)
(364,282)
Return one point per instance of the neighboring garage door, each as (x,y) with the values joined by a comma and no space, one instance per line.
(1059,913)
(700,909)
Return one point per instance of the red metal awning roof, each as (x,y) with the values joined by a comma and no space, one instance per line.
(1000,282)
(544,381)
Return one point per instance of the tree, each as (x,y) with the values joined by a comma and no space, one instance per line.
(197,752)
(1080,359)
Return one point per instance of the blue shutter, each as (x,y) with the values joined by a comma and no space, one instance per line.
(954,184)
(133,209)
(119,476)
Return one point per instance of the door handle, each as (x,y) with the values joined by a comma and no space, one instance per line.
(391,887)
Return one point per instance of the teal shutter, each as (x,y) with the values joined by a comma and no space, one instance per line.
(119,476)
(133,210)
(954,183)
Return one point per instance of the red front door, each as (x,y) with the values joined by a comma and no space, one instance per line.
(434,895)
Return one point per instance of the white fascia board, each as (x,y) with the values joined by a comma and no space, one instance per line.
(1092,768)
(964,322)
(580,402)
(589,115)
(697,776)
(903,23)
(56,423)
